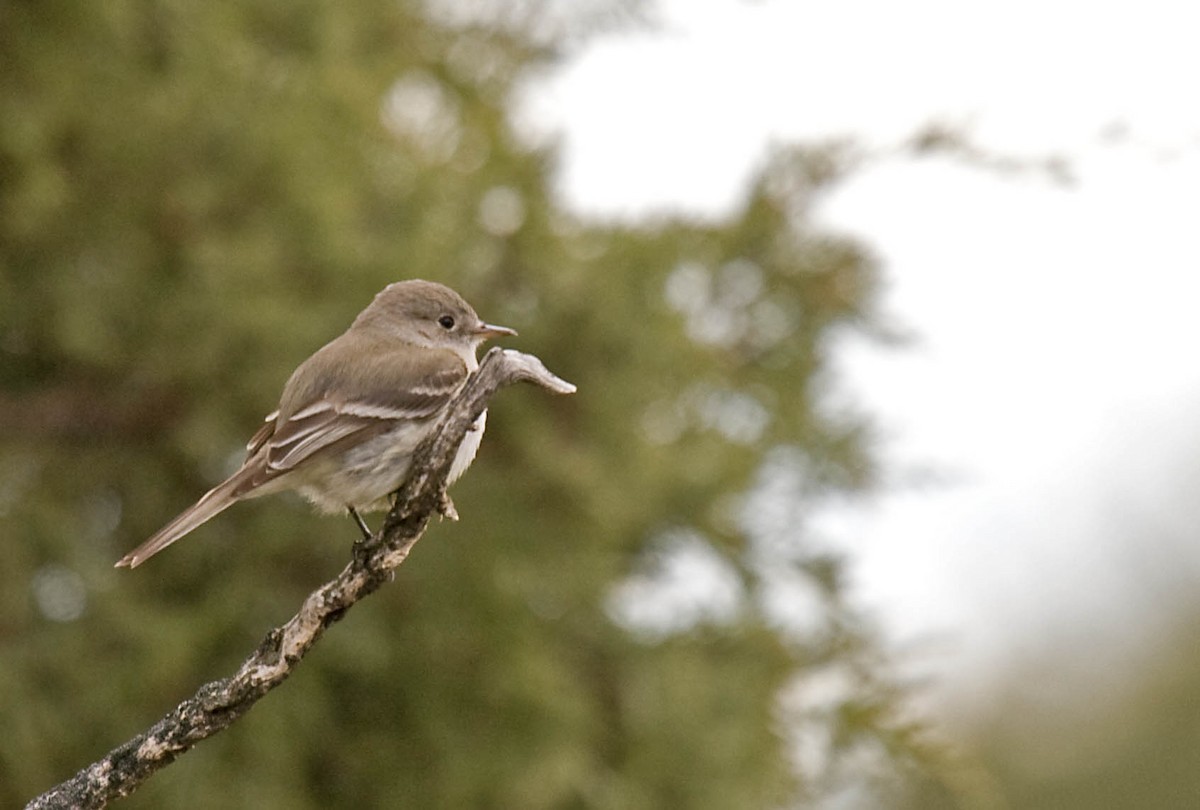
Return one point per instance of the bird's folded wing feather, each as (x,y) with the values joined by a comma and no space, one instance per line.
(387,386)
(262,434)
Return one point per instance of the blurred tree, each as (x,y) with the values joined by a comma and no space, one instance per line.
(192,199)
(1080,719)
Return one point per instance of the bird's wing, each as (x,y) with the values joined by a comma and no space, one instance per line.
(385,387)
(262,434)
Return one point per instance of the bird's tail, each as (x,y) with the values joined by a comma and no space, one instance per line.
(215,501)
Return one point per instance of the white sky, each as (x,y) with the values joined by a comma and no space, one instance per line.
(1055,379)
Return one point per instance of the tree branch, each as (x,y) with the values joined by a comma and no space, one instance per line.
(217,704)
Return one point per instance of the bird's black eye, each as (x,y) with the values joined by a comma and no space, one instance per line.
(446,322)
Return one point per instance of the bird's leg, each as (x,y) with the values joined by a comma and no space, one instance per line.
(362,524)
(360,544)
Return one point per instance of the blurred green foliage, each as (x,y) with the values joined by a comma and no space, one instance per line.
(193,197)
(1085,721)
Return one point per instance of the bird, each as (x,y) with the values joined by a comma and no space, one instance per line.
(351,415)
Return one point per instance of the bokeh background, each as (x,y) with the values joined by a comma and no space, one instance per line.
(877,492)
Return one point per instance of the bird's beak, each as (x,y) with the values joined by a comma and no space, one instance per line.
(487,331)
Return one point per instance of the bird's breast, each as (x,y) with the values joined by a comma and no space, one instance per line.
(468,448)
